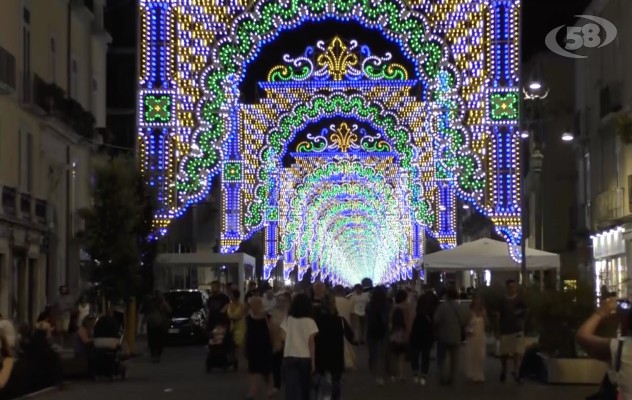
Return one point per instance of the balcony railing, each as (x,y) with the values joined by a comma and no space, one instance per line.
(7,72)
(9,201)
(40,212)
(609,206)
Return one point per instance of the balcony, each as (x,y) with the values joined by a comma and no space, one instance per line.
(32,93)
(49,100)
(98,25)
(9,203)
(7,72)
(25,206)
(609,206)
(41,209)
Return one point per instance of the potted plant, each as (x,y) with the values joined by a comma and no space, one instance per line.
(560,314)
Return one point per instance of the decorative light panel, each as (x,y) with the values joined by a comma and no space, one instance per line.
(443,128)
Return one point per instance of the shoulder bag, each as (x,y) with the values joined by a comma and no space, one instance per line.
(349,350)
(608,389)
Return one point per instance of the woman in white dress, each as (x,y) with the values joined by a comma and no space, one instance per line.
(476,344)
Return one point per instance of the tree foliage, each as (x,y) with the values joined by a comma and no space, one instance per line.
(148,245)
(111,235)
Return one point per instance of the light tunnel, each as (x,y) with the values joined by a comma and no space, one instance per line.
(350,226)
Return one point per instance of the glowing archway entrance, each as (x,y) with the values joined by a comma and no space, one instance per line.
(462,135)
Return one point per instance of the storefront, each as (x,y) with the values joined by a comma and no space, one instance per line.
(610,261)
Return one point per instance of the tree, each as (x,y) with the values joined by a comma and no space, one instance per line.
(111,228)
(147,243)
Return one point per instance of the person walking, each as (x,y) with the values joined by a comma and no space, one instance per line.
(399,334)
(236,311)
(476,344)
(258,343)
(299,356)
(450,322)
(377,316)
(359,301)
(422,339)
(278,315)
(509,328)
(269,301)
(343,304)
(215,304)
(333,331)
(65,306)
(158,313)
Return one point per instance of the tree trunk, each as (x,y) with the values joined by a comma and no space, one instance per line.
(130,326)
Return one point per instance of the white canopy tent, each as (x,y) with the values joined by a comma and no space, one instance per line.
(240,265)
(488,254)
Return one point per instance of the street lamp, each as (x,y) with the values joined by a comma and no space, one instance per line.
(535,86)
(535,95)
(567,137)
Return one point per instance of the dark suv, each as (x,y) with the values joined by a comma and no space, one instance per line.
(188,315)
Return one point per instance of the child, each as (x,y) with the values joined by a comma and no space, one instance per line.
(219,333)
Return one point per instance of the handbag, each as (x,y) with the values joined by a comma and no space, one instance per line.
(322,387)
(609,390)
(349,350)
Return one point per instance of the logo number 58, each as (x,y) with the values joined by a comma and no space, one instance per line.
(584,36)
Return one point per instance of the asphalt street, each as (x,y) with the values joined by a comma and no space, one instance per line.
(181,375)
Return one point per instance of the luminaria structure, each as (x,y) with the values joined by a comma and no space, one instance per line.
(379,151)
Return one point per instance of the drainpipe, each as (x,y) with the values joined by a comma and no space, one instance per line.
(69,213)
(69,49)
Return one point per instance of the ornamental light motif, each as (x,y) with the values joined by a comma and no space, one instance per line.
(441,122)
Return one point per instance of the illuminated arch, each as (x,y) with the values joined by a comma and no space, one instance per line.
(251,30)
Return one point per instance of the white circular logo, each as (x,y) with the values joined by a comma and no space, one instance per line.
(582,36)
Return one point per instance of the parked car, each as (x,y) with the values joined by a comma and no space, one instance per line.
(188,315)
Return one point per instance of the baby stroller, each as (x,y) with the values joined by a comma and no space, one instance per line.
(221,348)
(107,359)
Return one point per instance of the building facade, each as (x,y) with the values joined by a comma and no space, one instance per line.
(603,115)
(546,120)
(52,86)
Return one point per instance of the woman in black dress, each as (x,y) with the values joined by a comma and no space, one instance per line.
(333,330)
(258,347)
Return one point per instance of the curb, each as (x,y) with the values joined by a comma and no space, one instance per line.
(39,392)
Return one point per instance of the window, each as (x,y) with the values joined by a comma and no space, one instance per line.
(53,60)
(95,97)
(73,78)
(26,162)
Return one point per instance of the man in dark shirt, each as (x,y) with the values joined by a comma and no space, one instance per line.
(215,304)
(252,291)
(509,318)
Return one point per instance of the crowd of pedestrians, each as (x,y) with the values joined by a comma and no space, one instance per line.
(305,342)
(308,339)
